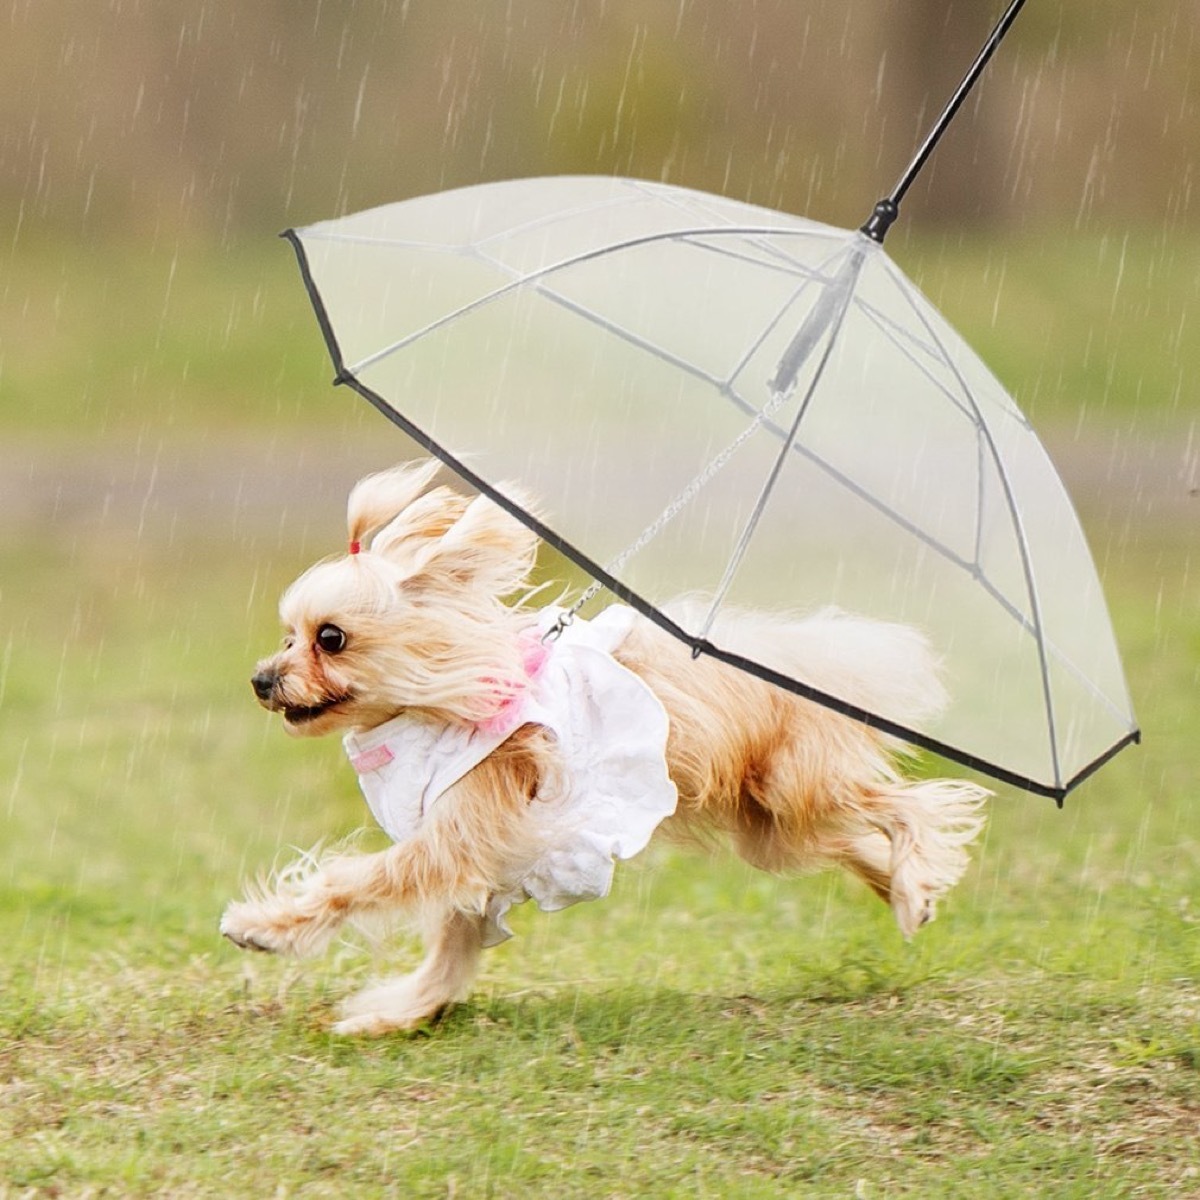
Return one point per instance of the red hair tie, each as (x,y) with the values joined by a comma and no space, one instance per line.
(355,547)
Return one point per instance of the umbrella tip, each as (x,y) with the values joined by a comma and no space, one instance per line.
(880,220)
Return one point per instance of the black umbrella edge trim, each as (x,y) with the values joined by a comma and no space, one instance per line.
(1133,738)
(655,615)
(292,236)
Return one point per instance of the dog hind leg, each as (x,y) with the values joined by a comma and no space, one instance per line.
(921,834)
(907,841)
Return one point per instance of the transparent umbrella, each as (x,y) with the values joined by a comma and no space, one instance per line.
(720,399)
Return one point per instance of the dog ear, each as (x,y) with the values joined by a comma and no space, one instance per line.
(485,548)
(391,506)
(406,539)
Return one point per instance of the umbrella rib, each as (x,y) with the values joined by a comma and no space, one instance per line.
(830,332)
(643,343)
(980,462)
(891,330)
(762,418)
(596,319)
(518,280)
(816,231)
(618,201)
(782,263)
(938,547)
(626,335)
(975,567)
(885,327)
(643,190)
(700,202)
(634,190)
(1018,529)
(983,441)
(314,234)
(896,332)
(770,250)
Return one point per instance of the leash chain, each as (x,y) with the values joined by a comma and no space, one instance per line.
(673,509)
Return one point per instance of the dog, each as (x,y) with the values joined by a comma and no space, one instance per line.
(527,753)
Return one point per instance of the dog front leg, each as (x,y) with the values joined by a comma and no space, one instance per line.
(309,904)
(306,905)
(453,942)
(298,913)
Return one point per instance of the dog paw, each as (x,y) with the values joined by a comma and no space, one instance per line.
(238,925)
(377,1024)
(275,926)
(369,1025)
(398,1006)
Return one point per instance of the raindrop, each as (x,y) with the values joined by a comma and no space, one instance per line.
(358,102)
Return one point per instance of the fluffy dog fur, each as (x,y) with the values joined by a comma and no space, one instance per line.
(418,621)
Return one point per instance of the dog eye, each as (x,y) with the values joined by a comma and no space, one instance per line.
(331,639)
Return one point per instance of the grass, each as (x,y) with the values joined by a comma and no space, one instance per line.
(706,1031)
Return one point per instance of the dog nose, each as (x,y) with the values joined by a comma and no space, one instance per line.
(263,683)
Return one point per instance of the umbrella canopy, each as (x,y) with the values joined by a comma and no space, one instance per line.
(715,398)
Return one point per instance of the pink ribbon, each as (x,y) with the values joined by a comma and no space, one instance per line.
(372,760)
(506,718)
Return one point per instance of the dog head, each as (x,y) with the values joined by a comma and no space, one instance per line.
(415,619)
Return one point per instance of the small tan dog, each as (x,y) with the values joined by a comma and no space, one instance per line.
(408,647)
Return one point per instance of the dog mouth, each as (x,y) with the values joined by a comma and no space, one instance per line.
(303,714)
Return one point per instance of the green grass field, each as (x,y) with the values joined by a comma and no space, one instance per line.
(706,1031)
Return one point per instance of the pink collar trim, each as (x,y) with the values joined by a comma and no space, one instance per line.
(511,696)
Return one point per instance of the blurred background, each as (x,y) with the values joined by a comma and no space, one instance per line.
(215,119)
(150,152)
(172,454)
(171,451)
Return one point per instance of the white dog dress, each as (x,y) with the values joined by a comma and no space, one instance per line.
(611,735)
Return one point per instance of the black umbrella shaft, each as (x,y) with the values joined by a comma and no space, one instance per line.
(888,208)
